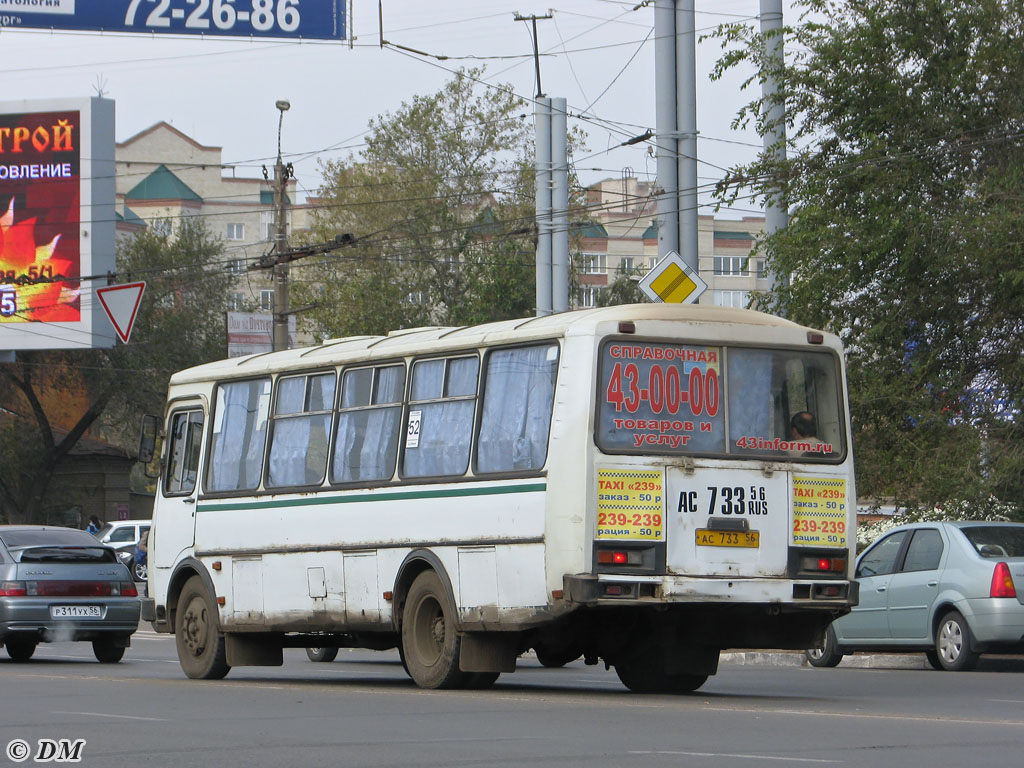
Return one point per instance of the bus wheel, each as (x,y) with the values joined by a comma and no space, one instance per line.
(429,639)
(197,634)
(322,654)
(645,677)
(557,657)
(479,681)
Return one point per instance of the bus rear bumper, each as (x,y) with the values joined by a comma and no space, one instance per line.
(603,589)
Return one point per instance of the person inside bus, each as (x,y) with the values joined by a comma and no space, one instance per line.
(804,429)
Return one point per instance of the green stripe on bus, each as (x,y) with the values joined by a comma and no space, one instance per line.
(392,496)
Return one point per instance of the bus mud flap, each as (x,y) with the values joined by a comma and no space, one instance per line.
(253,651)
(488,652)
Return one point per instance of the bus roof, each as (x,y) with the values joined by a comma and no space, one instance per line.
(412,340)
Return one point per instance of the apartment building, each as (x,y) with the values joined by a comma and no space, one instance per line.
(164,176)
(623,237)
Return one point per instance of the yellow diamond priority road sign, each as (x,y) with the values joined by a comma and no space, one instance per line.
(673,282)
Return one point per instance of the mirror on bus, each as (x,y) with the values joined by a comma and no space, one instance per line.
(148,434)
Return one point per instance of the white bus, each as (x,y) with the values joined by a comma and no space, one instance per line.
(644,485)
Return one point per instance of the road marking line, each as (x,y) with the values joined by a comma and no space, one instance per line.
(120,717)
(741,756)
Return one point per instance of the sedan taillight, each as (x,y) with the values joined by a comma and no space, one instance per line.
(68,589)
(12,589)
(1002,582)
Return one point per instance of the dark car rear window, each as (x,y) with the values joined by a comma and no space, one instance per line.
(28,537)
(996,540)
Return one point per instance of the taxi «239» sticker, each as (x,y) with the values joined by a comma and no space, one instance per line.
(630,504)
(819,511)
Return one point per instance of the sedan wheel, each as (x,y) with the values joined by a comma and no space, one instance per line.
(21,650)
(954,643)
(140,571)
(827,654)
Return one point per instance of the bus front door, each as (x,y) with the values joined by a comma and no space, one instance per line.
(174,514)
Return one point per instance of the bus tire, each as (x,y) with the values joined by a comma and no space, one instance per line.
(557,657)
(430,641)
(322,654)
(197,635)
(479,681)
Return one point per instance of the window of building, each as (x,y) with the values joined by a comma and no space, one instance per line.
(519,388)
(267,300)
(369,424)
(162,226)
(268,230)
(301,430)
(731,265)
(239,435)
(594,263)
(732,298)
(441,407)
(236,231)
(588,295)
(235,302)
(626,264)
(236,267)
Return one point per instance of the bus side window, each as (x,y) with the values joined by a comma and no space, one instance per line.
(519,389)
(186,439)
(441,406)
(369,423)
(239,435)
(300,430)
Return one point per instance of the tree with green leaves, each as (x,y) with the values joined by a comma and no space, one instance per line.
(180,323)
(905,183)
(441,203)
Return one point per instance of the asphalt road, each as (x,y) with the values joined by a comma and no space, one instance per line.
(362,710)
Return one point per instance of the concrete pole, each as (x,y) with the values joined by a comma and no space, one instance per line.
(280,241)
(686,108)
(559,206)
(776,216)
(666,126)
(542,166)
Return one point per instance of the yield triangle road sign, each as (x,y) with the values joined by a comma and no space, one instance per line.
(121,303)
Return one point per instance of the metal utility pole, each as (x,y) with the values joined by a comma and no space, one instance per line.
(542,190)
(686,99)
(282,173)
(559,206)
(551,165)
(676,105)
(776,216)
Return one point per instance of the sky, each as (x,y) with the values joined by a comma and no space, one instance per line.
(598,54)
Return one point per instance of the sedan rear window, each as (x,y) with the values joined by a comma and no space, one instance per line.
(34,537)
(996,540)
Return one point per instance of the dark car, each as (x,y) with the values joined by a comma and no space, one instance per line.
(954,590)
(62,584)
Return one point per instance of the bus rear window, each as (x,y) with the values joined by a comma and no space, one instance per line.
(719,401)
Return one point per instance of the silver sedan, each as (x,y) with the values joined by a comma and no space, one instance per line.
(954,590)
(62,584)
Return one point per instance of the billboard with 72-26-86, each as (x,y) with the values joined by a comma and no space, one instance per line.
(56,222)
(299,19)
